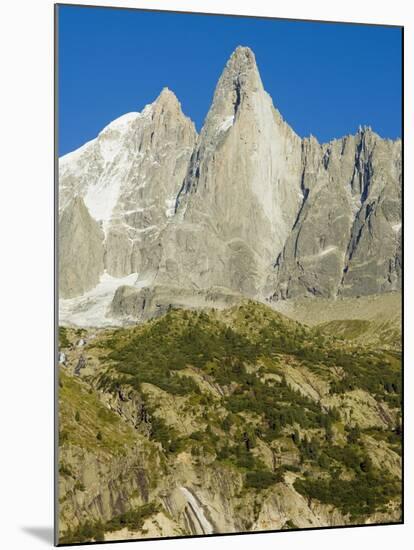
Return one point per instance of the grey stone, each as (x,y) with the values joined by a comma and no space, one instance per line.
(81,250)
(246,207)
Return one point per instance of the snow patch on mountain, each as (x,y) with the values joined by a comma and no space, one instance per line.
(226,124)
(170,207)
(322,253)
(121,123)
(327,250)
(92,308)
(102,198)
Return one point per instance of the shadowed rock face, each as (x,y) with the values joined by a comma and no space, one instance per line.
(81,250)
(245,206)
(346,240)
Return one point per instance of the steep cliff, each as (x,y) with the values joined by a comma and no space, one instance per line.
(129,178)
(346,239)
(245,208)
(81,249)
(240,196)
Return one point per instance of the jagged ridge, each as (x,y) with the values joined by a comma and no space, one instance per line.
(246,206)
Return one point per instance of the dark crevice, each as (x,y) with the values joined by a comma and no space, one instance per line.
(237,89)
(367,175)
(363,167)
(305,193)
(326,157)
(278,261)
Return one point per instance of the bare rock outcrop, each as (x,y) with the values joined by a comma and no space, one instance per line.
(128,179)
(346,240)
(81,250)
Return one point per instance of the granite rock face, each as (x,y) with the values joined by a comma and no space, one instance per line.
(247,206)
(346,239)
(240,196)
(81,251)
(129,178)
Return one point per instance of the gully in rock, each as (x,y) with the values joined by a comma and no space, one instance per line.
(206,526)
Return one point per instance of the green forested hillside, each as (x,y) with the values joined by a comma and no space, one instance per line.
(283,408)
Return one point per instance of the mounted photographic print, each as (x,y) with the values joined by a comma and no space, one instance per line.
(229,274)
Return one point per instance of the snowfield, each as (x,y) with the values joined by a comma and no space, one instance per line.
(91,309)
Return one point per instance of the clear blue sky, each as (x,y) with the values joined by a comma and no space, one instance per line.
(325,79)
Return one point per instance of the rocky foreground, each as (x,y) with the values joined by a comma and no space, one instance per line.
(228,420)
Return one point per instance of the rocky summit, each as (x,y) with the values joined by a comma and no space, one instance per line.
(160,216)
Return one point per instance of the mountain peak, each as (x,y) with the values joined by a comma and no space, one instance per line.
(242,57)
(167,102)
(167,97)
(246,205)
(241,66)
(239,79)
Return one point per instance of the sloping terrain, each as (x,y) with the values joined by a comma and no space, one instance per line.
(374,321)
(223,421)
